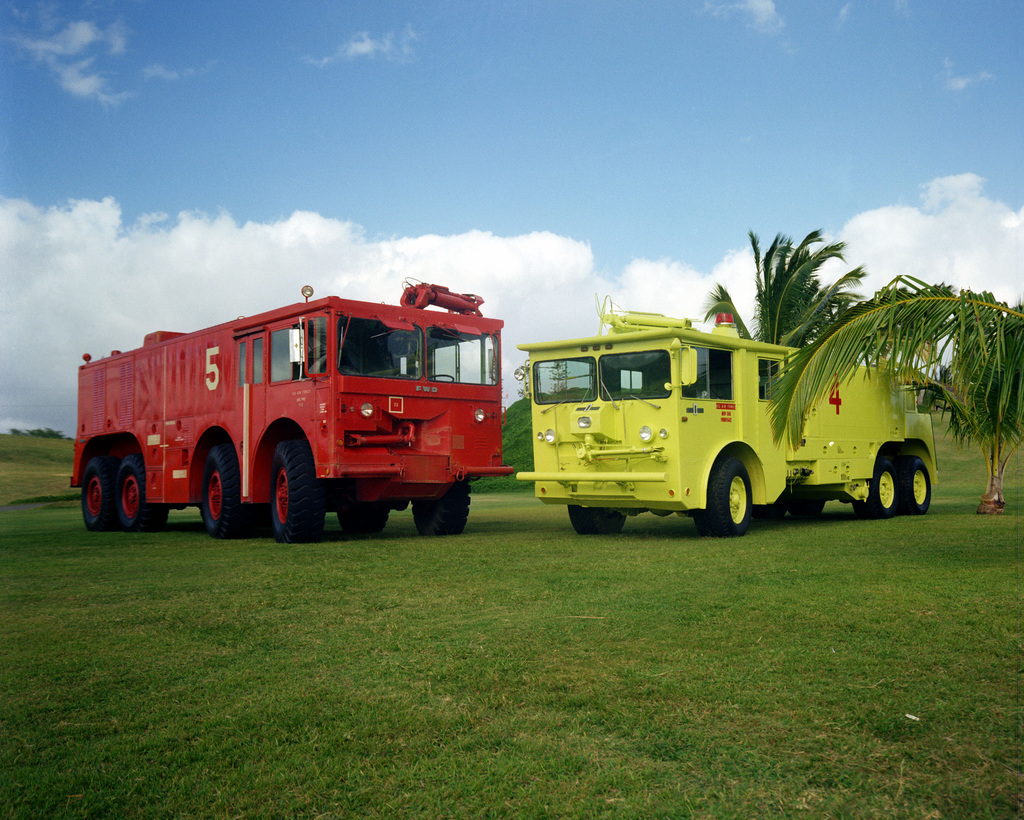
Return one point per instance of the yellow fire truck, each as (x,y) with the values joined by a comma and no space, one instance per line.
(653,415)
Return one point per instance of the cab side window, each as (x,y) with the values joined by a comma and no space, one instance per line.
(257,361)
(316,346)
(282,368)
(714,376)
(767,374)
(241,363)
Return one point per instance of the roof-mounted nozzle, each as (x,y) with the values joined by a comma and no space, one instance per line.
(420,295)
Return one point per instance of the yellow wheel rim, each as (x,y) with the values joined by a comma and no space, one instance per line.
(920,487)
(737,500)
(886,489)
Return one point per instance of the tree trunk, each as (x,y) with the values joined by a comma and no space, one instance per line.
(992,502)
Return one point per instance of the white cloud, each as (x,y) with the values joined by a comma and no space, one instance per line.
(957,236)
(78,279)
(77,37)
(71,55)
(761,15)
(676,289)
(366,46)
(390,47)
(959,83)
(159,72)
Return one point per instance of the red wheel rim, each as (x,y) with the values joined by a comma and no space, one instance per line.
(130,497)
(94,496)
(214,495)
(281,496)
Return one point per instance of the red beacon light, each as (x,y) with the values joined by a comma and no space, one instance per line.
(724,319)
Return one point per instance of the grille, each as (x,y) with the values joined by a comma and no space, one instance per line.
(126,398)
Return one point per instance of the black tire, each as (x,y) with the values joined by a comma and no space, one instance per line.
(297,498)
(224,514)
(363,519)
(445,516)
(915,486)
(729,506)
(596,520)
(883,495)
(806,507)
(134,513)
(99,482)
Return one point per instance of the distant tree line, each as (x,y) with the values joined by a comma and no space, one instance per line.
(44,432)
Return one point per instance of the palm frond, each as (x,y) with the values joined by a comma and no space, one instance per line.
(791,305)
(719,301)
(980,336)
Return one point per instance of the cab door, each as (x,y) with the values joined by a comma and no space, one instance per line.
(289,394)
(252,385)
(317,368)
(708,418)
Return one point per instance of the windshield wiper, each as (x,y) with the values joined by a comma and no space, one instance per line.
(563,401)
(651,403)
(602,389)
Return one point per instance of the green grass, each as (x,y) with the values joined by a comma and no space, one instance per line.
(517,670)
(516,450)
(32,467)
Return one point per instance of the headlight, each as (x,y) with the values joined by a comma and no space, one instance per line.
(645,433)
(663,433)
(366,410)
(583,422)
(479,414)
(549,436)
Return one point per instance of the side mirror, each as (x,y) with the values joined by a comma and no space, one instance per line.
(687,366)
(522,374)
(684,365)
(294,345)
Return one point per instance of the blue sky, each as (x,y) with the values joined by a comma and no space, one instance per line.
(636,142)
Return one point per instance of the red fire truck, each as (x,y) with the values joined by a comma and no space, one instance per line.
(324,405)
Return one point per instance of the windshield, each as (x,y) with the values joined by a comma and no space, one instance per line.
(565,380)
(395,350)
(368,347)
(461,356)
(635,375)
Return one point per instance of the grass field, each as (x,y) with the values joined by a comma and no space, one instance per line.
(834,668)
(34,468)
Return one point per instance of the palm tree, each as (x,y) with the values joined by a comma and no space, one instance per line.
(791,305)
(980,339)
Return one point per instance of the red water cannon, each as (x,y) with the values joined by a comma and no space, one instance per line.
(420,295)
